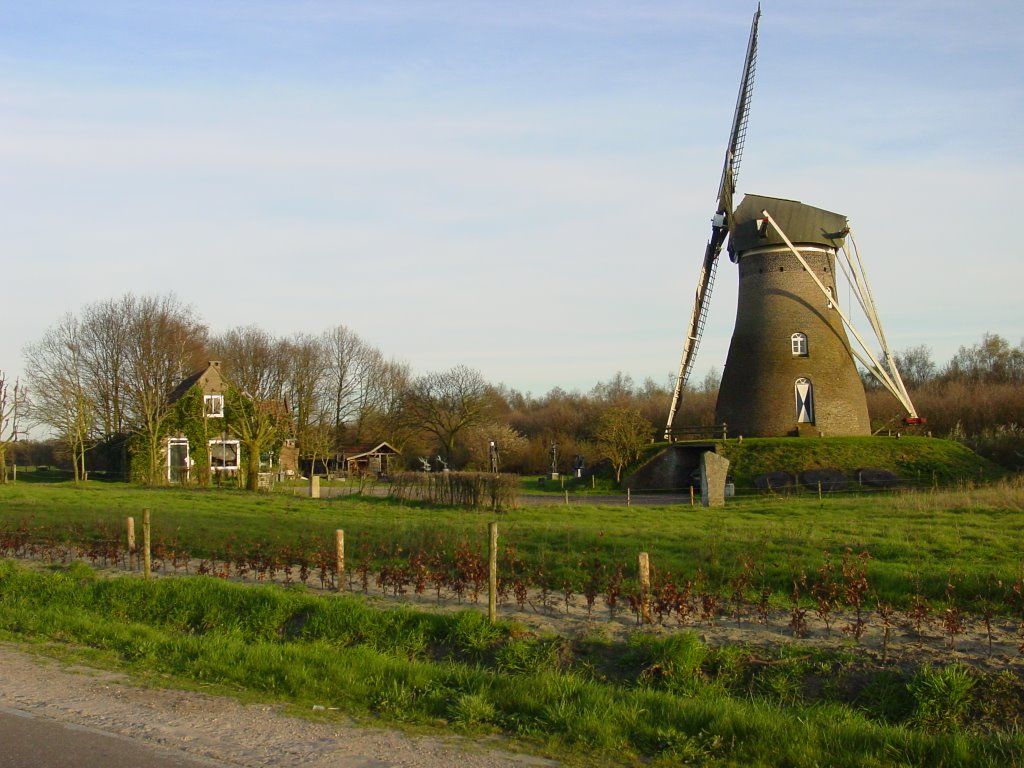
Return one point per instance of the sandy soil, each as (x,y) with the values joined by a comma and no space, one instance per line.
(993,648)
(221,730)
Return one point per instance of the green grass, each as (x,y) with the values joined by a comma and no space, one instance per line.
(920,461)
(650,700)
(972,537)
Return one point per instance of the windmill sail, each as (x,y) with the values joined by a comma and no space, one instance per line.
(721,224)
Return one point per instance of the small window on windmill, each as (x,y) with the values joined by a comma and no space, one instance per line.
(830,304)
(799,344)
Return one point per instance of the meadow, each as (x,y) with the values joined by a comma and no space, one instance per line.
(657,694)
(918,543)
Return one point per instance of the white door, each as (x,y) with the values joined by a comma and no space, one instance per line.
(177,460)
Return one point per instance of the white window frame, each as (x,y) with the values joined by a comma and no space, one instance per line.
(238,456)
(172,441)
(213,406)
(798,343)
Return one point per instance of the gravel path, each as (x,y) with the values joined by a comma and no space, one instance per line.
(217,730)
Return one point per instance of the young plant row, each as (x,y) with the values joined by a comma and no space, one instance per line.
(839,594)
(658,700)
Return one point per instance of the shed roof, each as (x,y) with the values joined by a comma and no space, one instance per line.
(803,224)
(366,449)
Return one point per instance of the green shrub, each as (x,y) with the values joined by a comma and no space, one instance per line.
(942,697)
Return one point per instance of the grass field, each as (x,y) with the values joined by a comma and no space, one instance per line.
(919,542)
(666,698)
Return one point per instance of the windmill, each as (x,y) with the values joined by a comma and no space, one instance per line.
(790,368)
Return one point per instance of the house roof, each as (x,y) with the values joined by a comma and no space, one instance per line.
(208,378)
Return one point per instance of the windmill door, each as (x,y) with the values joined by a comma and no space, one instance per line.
(804,401)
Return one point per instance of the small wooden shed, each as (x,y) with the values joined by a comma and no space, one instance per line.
(368,458)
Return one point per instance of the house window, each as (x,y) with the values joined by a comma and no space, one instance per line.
(213,406)
(804,401)
(224,455)
(799,342)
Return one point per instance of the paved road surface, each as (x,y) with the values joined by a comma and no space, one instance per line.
(27,741)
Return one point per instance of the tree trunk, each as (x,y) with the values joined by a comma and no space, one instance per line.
(252,469)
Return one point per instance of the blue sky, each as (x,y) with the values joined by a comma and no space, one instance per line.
(522,187)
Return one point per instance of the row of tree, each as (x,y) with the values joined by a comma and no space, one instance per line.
(108,371)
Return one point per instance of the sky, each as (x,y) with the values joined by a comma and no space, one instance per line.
(521,187)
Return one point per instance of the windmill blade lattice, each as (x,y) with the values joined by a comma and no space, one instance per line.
(721,224)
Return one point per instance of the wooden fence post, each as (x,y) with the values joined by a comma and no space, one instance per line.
(339,548)
(146,561)
(131,541)
(492,573)
(629,497)
(645,587)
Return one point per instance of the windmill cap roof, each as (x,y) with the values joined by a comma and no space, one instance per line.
(803,224)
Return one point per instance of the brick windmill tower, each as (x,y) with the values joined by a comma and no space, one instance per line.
(791,367)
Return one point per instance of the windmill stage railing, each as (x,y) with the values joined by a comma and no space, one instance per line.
(694,432)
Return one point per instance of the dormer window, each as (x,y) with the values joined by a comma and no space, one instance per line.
(799,344)
(213,406)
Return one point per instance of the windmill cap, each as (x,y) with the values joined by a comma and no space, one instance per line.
(803,224)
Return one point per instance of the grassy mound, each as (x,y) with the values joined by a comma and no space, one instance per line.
(916,460)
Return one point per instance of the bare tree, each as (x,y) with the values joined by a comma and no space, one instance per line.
(305,388)
(359,383)
(382,415)
(167,344)
(12,403)
(991,361)
(253,361)
(445,404)
(915,365)
(343,352)
(621,435)
(54,366)
(106,337)
(619,390)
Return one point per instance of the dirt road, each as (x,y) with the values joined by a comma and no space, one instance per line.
(182,728)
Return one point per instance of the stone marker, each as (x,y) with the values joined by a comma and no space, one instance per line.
(713,471)
(314,486)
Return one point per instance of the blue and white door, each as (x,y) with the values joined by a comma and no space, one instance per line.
(804,401)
